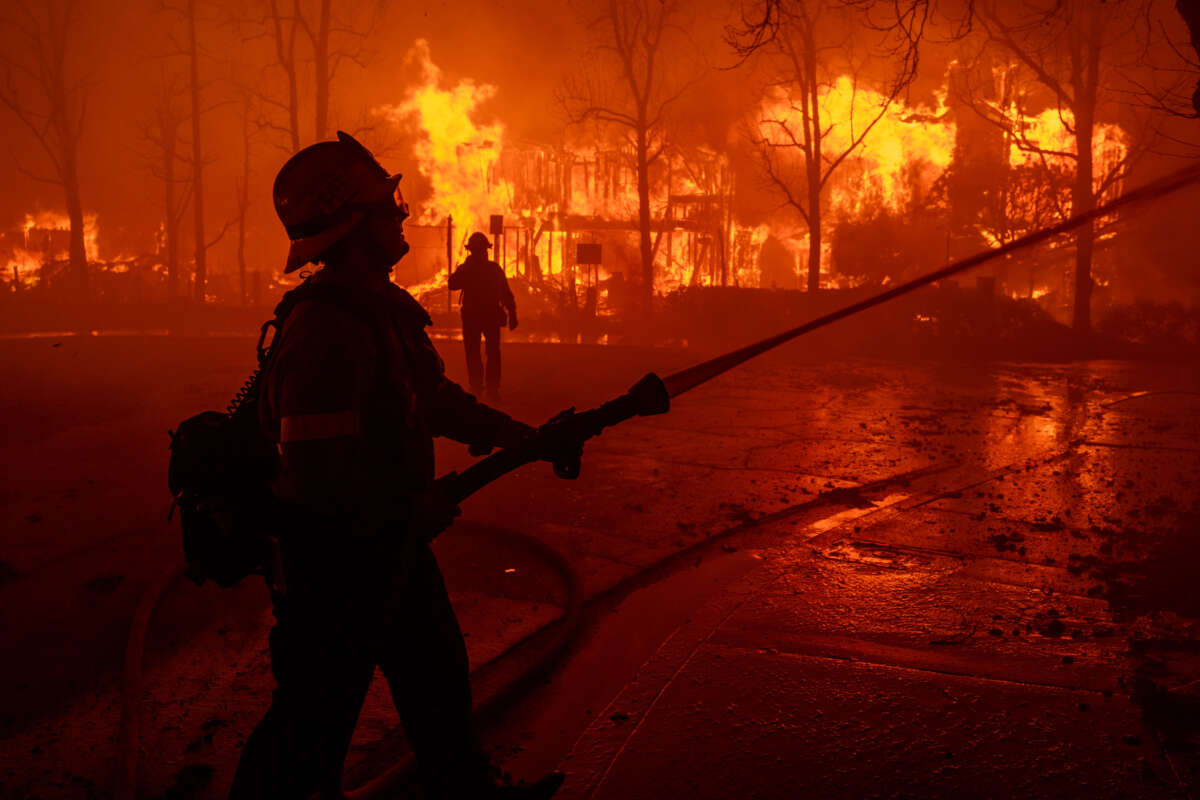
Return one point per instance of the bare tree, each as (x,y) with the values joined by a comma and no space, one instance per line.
(194,90)
(284,33)
(243,198)
(188,12)
(160,132)
(1165,78)
(40,87)
(1190,11)
(330,38)
(1071,50)
(904,26)
(633,37)
(811,41)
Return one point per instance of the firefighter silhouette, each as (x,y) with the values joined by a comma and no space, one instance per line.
(354,394)
(487,304)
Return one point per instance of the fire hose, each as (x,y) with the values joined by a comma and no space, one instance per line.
(652,394)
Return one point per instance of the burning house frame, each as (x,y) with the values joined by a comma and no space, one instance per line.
(560,198)
(37,253)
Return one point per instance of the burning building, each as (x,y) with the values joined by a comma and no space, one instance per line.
(915,186)
(37,254)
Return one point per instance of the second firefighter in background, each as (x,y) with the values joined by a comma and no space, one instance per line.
(487,305)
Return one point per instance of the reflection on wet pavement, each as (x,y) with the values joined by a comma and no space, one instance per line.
(1040,556)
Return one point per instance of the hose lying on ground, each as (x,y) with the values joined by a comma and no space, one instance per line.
(128,739)
(1140,395)
(497,684)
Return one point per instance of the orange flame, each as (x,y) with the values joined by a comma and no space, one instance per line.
(1051,131)
(53,221)
(457,155)
(40,246)
(904,151)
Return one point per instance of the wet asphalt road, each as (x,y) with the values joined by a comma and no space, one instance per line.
(1018,523)
(1025,631)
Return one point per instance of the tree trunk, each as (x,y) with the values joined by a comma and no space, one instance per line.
(815,163)
(726,228)
(321,69)
(69,173)
(1086,83)
(1082,200)
(285,51)
(814,230)
(170,219)
(1190,11)
(244,200)
(197,158)
(78,251)
(293,108)
(643,186)
(241,253)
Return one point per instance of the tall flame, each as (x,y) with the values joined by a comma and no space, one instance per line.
(1051,131)
(457,155)
(889,157)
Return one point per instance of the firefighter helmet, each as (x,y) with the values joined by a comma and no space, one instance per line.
(477,241)
(325,190)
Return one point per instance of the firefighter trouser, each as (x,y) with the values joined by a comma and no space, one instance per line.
(486,325)
(332,629)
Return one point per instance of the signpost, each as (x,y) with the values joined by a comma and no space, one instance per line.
(588,254)
(496,226)
(449,257)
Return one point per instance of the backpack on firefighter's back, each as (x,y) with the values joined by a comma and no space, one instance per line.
(223,464)
(220,474)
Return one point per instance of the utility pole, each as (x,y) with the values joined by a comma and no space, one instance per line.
(449,258)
